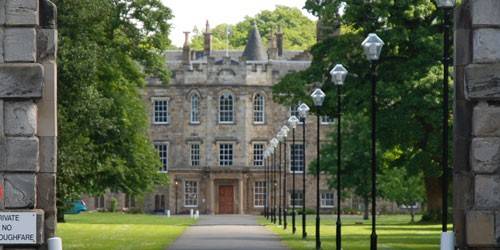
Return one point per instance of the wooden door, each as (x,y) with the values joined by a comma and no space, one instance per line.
(226,200)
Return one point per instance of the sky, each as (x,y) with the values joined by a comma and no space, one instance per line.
(190,13)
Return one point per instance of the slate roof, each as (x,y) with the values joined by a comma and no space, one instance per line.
(254,51)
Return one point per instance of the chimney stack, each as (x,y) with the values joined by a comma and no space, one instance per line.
(272,51)
(279,41)
(207,41)
(186,50)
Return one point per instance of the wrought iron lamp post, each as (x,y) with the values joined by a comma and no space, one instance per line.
(303,110)
(318,97)
(280,202)
(339,74)
(274,144)
(176,195)
(372,47)
(292,122)
(284,132)
(266,184)
(447,238)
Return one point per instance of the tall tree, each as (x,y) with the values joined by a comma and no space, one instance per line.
(107,48)
(408,80)
(299,31)
(399,186)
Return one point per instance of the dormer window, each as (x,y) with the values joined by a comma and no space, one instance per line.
(226,108)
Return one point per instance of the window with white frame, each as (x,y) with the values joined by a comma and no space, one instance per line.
(299,198)
(258,154)
(190,194)
(195,154)
(259,194)
(326,120)
(160,110)
(297,158)
(195,109)
(226,108)
(226,154)
(327,199)
(162,149)
(259,109)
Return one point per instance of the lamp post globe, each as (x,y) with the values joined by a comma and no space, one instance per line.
(293,121)
(318,97)
(339,74)
(303,110)
(446,3)
(372,47)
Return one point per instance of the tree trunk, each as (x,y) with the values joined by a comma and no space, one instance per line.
(434,197)
(366,213)
(60,215)
(412,213)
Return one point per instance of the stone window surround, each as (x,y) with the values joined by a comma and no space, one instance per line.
(228,111)
(158,99)
(259,109)
(261,158)
(300,156)
(194,114)
(157,144)
(262,192)
(196,192)
(324,200)
(195,159)
(231,148)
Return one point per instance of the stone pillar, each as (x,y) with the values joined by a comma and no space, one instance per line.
(242,198)
(477,125)
(211,195)
(28,121)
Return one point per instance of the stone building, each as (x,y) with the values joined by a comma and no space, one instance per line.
(212,123)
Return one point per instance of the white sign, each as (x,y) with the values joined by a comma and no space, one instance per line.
(17,228)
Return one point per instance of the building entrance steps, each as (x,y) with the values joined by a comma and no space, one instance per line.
(228,232)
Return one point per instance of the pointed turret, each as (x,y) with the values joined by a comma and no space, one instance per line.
(254,51)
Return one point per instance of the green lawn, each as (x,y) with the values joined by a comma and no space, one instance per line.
(394,233)
(116,231)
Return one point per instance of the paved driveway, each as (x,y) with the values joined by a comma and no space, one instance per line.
(231,232)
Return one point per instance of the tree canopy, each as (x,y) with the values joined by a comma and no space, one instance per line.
(106,50)
(409,82)
(299,31)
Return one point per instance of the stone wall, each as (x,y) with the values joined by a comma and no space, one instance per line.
(477,125)
(28,127)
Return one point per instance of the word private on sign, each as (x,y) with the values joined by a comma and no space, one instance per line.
(18,228)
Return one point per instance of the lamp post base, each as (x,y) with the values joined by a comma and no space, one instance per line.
(373,245)
(447,241)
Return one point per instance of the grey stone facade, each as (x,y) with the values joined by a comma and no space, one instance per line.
(28,127)
(477,125)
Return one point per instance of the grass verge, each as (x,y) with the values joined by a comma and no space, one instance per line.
(117,231)
(394,233)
